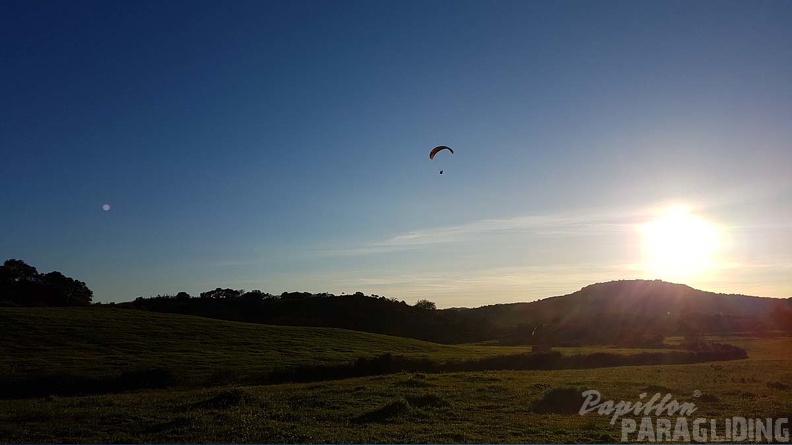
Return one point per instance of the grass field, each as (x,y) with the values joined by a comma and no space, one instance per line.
(494,406)
(98,341)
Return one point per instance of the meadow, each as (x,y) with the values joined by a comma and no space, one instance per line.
(456,407)
(95,341)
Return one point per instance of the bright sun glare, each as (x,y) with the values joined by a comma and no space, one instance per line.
(679,245)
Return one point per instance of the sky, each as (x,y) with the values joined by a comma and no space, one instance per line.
(157,147)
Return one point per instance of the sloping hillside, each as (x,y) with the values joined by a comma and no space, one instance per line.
(96,341)
(357,312)
(640,299)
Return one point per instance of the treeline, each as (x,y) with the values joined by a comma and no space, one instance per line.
(22,285)
(357,311)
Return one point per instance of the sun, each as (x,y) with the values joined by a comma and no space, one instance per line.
(678,244)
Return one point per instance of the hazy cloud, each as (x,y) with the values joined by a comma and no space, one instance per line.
(568,224)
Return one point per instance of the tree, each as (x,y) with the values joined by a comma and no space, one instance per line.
(20,271)
(22,285)
(64,291)
(221,294)
(425,305)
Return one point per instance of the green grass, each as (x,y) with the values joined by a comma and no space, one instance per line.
(91,341)
(483,407)
(487,407)
(99,341)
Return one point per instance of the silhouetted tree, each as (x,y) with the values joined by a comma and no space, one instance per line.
(64,291)
(691,334)
(20,271)
(254,295)
(426,305)
(296,295)
(221,293)
(22,285)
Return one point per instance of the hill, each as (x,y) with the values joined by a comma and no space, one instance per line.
(357,312)
(634,298)
(102,341)
(94,350)
(637,306)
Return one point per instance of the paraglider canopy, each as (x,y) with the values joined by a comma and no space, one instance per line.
(438,149)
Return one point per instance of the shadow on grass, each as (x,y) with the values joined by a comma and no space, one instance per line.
(416,381)
(223,399)
(385,413)
(427,401)
(172,425)
(565,400)
(70,385)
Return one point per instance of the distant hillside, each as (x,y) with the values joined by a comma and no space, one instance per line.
(632,313)
(634,298)
(637,306)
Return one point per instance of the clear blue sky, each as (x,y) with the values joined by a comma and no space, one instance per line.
(283,146)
